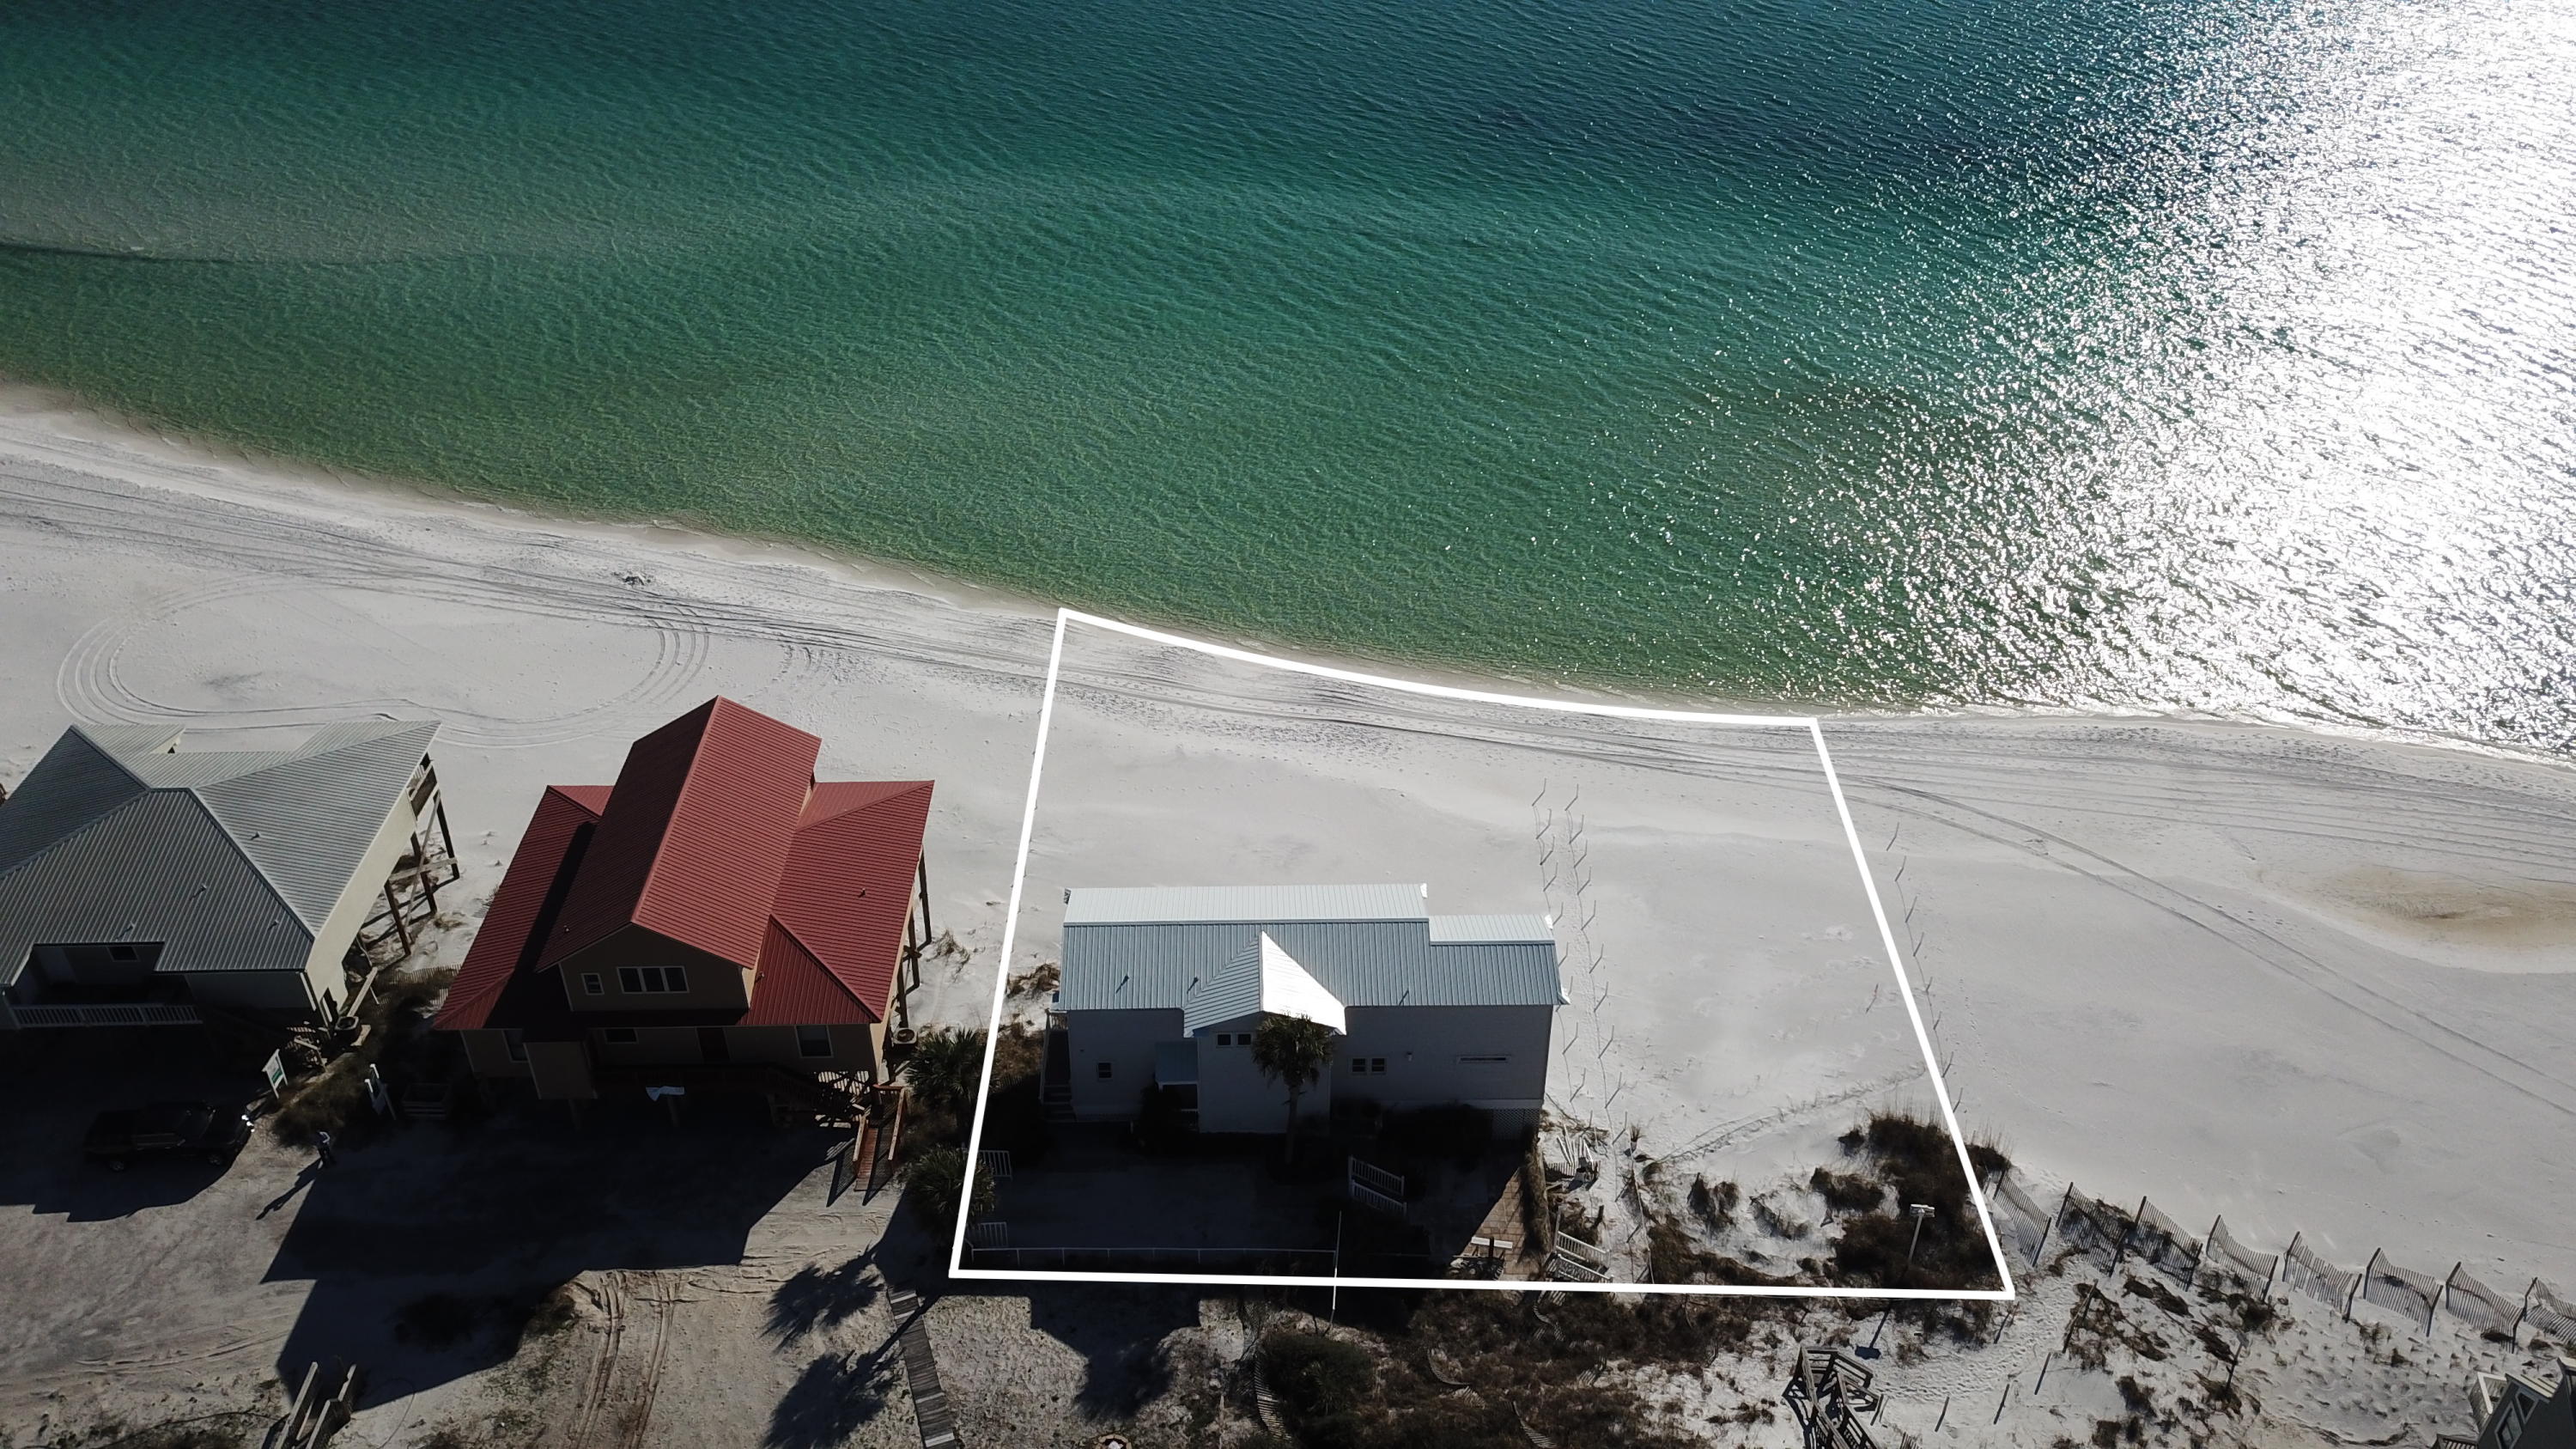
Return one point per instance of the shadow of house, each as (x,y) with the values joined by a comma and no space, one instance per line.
(498,1219)
(56,1081)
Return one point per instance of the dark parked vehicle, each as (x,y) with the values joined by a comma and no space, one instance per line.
(198,1129)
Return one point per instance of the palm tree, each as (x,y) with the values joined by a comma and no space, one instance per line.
(933,1180)
(1292,1051)
(945,1067)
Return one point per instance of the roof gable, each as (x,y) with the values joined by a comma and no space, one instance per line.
(1262,979)
(697,832)
(307,819)
(847,886)
(76,783)
(507,943)
(159,867)
(232,859)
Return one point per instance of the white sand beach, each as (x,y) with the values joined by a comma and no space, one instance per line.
(2316,983)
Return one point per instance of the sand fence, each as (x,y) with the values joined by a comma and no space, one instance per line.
(2087,1225)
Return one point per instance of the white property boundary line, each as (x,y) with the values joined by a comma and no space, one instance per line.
(1860,861)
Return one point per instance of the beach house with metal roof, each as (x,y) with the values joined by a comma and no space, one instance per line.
(142,878)
(1163,987)
(718,917)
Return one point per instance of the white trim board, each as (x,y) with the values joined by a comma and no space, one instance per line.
(1814,729)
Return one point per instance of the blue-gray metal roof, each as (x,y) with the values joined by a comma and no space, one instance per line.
(1122,963)
(232,859)
(1489,930)
(1171,905)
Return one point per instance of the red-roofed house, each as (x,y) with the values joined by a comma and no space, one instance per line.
(716,913)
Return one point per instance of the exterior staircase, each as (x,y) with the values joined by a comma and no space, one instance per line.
(1055,1077)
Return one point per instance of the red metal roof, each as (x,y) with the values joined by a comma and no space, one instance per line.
(502,946)
(848,883)
(697,832)
(811,889)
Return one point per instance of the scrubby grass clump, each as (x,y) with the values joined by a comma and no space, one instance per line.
(1915,1163)
(1540,1367)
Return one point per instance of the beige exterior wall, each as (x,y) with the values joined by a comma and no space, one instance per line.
(714,983)
(561,1070)
(365,891)
(854,1048)
(488,1053)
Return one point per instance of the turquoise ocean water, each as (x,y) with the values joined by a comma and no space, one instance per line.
(2152,354)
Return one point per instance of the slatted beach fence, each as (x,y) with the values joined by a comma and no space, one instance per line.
(2544,1311)
(921,1373)
(2090,1225)
(2225,1255)
(1375,1187)
(2477,1305)
(2400,1290)
(2163,1244)
(2304,1271)
(2022,1223)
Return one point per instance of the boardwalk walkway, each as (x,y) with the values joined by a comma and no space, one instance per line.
(921,1374)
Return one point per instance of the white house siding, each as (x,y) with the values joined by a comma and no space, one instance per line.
(358,900)
(1125,1040)
(1424,1046)
(1426,1050)
(1235,1097)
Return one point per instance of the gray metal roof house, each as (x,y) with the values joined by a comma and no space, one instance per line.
(1162,988)
(140,879)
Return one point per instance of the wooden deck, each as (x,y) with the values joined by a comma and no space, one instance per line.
(921,1374)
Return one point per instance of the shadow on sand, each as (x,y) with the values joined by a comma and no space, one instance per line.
(57,1080)
(430,1251)
(822,1298)
(835,1395)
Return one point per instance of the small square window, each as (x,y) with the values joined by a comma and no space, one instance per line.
(1359,1066)
(674,979)
(1377,1066)
(591,985)
(1225,1038)
(1101,1071)
(630,980)
(814,1041)
(120,953)
(620,1035)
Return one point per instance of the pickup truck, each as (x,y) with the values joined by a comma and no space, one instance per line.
(198,1129)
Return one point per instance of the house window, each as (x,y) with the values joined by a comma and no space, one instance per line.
(814,1041)
(1101,1071)
(120,953)
(1482,1061)
(1227,1038)
(517,1043)
(643,980)
(1368,1066)
(619,1035)
(591,984)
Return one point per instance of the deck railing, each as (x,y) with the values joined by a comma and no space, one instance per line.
(131,1013)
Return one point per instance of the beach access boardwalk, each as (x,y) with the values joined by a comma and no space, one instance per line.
(921,1373)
